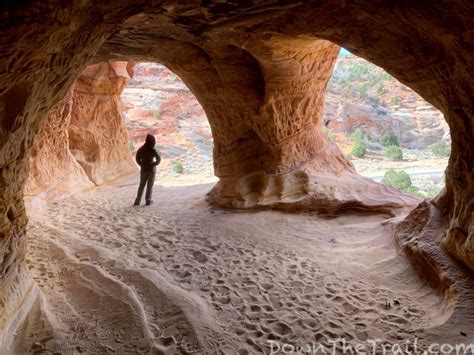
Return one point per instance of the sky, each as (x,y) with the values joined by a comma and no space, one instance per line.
(344,52)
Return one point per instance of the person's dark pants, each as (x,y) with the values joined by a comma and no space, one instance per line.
(146,178)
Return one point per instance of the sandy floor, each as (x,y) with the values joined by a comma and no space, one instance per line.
(182,277)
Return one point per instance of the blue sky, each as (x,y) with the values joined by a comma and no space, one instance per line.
(344,52)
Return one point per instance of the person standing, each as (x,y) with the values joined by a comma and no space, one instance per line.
(148,158)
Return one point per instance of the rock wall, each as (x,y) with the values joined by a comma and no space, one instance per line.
(415,127)
(235,56)
(362,95)
(83,140)
(53,169)
(98,137)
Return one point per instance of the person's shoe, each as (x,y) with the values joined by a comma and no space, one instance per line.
(148,203)
(136,203)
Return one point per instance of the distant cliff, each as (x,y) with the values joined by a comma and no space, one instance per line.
(362,95)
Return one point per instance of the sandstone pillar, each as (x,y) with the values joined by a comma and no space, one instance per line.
(456,202)
(98,138)
(264,100)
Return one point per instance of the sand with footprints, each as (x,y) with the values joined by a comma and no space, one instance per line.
(183,277)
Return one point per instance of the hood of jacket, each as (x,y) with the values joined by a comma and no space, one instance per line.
(150,141)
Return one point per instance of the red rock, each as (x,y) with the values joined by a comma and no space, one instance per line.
(98,138)
(259,70)
(53,169)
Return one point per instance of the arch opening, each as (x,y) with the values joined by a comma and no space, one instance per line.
(156,101)
(388,131)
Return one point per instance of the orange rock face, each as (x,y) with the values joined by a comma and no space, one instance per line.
(84,140)
(97,135)
(259,69)
(53,169)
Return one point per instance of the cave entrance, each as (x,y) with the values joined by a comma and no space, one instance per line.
(389,132)
(157,101)
(100,268)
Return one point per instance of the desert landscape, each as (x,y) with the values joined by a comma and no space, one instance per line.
(314,194)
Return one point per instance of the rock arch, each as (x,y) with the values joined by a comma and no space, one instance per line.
(427,47)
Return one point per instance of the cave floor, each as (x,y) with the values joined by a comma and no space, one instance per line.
(180,276)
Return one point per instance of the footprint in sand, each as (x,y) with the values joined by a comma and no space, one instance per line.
(199,256)
(281,328)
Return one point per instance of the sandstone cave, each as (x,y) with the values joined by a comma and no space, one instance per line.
(291,246)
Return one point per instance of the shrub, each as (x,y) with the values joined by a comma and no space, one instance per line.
(359,71)
(397,179)
(157,115)
(331,136)
(393,153)
(395,100)
(131,146)
(384,77)
(358,150)
(433,191)
(380,89)
(357,135)
(386,140)
(362,90)
(440,149)
(178,168)
(414,191)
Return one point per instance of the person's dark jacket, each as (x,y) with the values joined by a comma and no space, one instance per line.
(147,155)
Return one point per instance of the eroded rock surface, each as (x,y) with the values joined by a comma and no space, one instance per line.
(53,169)
(83,140)
(98,137)
(251,65)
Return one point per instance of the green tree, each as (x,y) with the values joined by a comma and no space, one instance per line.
(178,167)
(440,149)
(414,191)
(397,179)
(433,191)
(393,153)
(386,140)
(359,149)
(357,134)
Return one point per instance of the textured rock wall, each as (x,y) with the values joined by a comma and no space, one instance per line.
(262,159)
(98,137)
(430,53)
(43,50)
(248,95)
(83,140)
(415,127)
(53,170)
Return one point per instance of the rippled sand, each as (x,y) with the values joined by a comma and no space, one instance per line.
(182,277)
